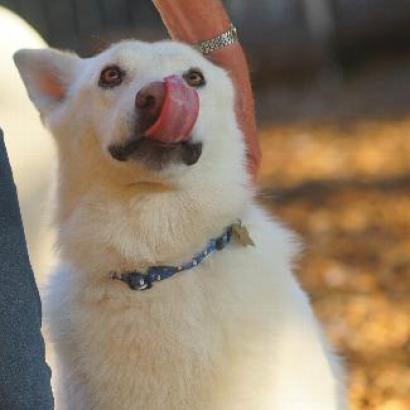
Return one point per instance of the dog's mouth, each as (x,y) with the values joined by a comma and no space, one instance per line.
(156,154)
(166,114)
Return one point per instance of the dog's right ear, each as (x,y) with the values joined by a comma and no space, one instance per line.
(47,74)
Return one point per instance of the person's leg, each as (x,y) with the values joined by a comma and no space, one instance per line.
(24,374)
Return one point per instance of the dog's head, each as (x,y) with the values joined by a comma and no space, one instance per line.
(142,112)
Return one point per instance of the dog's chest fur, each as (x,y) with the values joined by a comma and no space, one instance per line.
(176,346)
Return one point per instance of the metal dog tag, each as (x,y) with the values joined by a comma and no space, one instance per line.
(242,235)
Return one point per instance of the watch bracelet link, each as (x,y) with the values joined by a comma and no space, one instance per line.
(216,43)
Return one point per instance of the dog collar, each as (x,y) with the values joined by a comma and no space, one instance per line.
(143,281)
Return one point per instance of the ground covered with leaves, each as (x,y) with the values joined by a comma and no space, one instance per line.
(346,191)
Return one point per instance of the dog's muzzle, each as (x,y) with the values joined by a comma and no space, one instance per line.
(166,113)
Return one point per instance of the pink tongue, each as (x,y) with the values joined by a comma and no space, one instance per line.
(179,112)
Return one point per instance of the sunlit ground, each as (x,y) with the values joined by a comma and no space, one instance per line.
(347,192)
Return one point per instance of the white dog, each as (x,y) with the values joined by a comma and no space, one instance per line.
(229,328)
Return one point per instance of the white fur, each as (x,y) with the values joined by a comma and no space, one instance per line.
(235,333)
(31,151)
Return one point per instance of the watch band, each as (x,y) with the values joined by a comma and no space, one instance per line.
(225,39)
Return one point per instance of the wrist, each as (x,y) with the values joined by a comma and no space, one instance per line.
(218,42)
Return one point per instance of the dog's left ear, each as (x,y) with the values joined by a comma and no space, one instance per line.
(47,74)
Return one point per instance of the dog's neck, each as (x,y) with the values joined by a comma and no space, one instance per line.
(148,225)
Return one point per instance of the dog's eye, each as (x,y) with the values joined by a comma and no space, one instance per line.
(111,76)
(194,78)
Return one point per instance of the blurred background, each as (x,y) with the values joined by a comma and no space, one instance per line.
(332,87)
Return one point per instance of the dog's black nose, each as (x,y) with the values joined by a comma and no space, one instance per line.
(148,104)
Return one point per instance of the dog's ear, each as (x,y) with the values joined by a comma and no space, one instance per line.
(47,74)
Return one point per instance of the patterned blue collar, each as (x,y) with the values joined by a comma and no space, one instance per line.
(143,281)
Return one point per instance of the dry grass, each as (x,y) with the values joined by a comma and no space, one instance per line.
(347,192)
